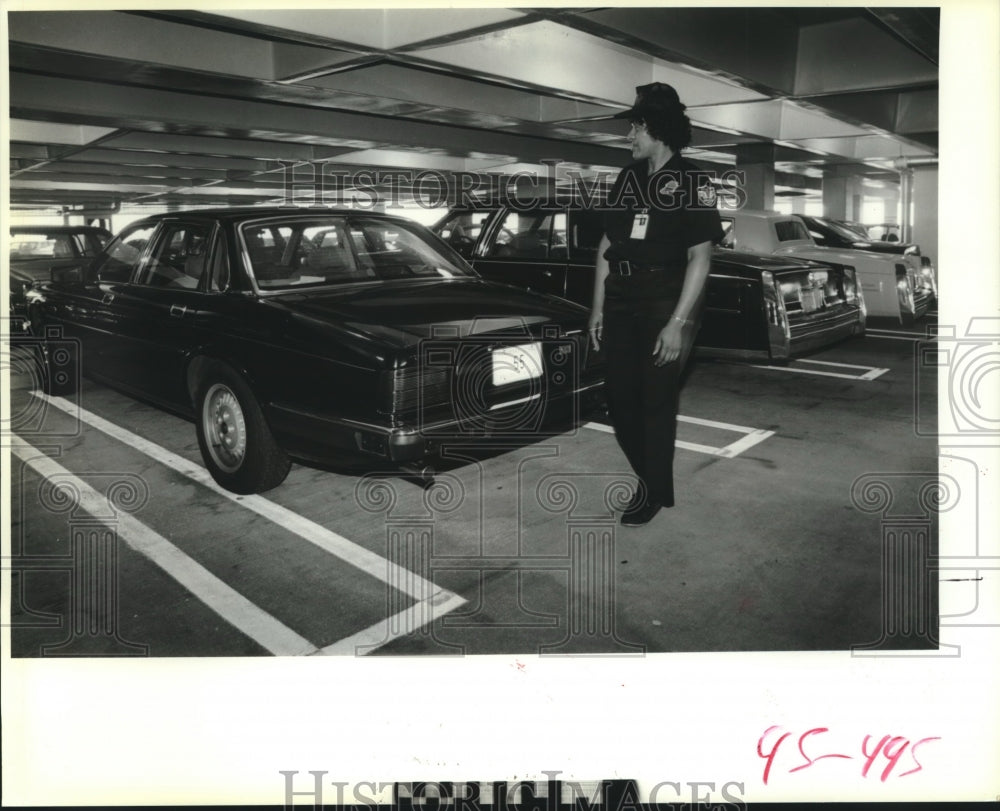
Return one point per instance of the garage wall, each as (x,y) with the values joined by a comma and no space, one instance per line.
(925,210)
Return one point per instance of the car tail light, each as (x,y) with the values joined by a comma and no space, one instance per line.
(852,290)
(904,288)
(850,284)
(774,303)
(928,277)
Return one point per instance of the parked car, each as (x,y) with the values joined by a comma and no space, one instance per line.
(36,250)
(893,287)
(755,306)
(835,234)
(317,335)
(884,232)
(840,234)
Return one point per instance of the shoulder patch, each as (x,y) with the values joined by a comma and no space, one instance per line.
(669,187)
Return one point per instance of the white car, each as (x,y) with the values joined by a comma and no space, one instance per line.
(892,285)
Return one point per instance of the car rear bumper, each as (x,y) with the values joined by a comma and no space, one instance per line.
(326,439)
(815,333)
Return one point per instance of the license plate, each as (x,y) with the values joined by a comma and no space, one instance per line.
(515,363)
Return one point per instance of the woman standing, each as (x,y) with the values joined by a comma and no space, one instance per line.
(652,265)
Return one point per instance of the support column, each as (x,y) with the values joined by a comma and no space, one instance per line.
(905,199)
(757,162)
(839,186)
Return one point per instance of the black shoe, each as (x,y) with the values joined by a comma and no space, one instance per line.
(638,500)
(642,515)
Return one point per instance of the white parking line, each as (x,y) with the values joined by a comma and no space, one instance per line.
(871,372)
(229,604)
(395,627)
(753,437)
(382,569)
(899,335)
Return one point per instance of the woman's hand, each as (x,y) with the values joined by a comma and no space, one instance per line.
(595,329)
(669,342)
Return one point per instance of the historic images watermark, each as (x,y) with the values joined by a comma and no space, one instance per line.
(583,619)
(965,364)
(49,362)
(960,364)
(550,794)
(93,507)
(930,521)
(78,566)
(323,183)
(497,385)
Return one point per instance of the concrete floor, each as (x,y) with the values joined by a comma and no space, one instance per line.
(764,551)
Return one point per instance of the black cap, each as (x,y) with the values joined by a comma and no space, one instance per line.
(654,99)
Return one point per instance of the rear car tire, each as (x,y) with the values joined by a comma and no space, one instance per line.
(236,443)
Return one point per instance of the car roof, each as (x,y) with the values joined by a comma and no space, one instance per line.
(58,229)
(759,214)
(265,212)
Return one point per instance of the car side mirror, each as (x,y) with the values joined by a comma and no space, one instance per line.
(73,273)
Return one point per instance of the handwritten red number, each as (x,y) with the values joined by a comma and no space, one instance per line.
(774,750)
(913,754)
(810,761)
(893,756)
(871,758)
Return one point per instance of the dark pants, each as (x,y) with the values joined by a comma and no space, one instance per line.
(643,398)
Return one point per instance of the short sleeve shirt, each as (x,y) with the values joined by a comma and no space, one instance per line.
(680,202)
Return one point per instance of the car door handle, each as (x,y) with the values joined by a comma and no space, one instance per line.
(108,298)
(178,311)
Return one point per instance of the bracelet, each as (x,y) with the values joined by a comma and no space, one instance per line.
(682,320)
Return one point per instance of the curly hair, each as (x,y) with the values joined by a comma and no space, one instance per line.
(671,126)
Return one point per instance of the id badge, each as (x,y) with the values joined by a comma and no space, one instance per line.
(639,224)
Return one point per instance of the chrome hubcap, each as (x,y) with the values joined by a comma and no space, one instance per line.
(225,427)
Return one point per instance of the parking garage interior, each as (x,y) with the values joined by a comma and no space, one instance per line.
(802,483)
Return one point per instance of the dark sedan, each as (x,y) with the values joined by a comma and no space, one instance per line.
(36,250)
(314,334)
(755,306)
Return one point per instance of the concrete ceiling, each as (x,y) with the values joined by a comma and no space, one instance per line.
(189,108)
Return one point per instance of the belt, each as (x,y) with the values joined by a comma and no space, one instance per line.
(624,267)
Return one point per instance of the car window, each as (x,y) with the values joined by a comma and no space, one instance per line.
(41,245)
(531,235)
(179,257)
(337,250)
(585,232)
(728,233)
(462,230)
(122,255)
(844,232)
(787,230)
(91,244)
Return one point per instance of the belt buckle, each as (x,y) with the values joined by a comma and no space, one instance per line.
(624,268)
